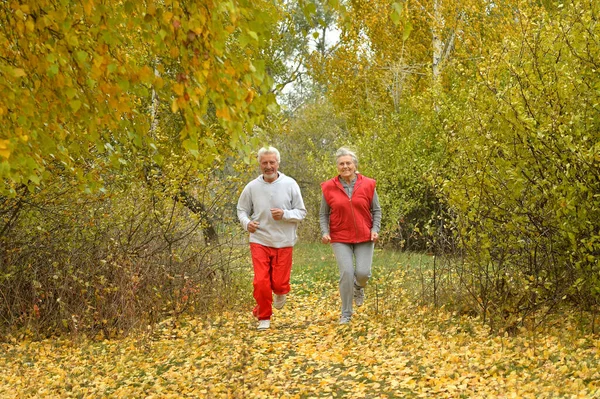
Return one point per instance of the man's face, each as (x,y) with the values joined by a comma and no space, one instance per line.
(269,166)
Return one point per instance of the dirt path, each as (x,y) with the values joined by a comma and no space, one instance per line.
(407,353)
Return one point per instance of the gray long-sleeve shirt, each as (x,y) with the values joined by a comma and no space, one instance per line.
(255,203)
(325,210)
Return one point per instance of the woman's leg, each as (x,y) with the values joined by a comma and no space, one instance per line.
(363,253)
(345,261)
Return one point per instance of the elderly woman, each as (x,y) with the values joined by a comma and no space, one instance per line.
(350,218)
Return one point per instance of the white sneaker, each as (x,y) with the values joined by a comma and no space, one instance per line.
(263,324)
(345,320)
(279,301)
(359,295)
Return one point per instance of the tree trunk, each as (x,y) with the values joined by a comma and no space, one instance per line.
(208,229)
(437,45)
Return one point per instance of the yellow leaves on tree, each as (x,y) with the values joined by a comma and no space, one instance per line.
(4,148)
(68,63)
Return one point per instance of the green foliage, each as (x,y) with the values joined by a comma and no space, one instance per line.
(401,151)
(78,80)
(523,143)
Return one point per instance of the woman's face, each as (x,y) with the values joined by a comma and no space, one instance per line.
(346,167)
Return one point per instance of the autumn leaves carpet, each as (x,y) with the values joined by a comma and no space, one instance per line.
(399,351)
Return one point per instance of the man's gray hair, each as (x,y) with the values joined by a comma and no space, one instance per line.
(343,151)
(269,150)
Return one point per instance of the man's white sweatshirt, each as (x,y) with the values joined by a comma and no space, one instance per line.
(255,203)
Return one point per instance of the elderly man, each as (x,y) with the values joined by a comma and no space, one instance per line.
(270,208)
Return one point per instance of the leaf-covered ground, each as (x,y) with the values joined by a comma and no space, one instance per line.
(399,351)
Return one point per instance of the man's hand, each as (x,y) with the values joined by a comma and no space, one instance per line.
(277,213)
(374,236)
(326,239)
(253,226)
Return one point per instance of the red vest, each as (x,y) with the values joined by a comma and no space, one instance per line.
(350,220)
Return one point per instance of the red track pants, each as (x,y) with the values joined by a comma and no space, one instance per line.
(272,270)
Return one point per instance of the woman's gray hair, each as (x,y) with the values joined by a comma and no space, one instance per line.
(269,150)
(343,151)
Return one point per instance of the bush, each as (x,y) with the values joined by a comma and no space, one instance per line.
(524,179)
(108,263)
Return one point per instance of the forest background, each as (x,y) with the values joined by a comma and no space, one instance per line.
(129,128)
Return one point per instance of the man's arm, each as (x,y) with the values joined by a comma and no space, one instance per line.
(244,208)
(298,211)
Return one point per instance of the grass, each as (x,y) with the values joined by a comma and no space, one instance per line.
(315,263)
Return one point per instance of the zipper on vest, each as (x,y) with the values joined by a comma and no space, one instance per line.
(354,220)
(352,207)
(356,185)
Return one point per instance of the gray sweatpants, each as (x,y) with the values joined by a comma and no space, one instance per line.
(345,255)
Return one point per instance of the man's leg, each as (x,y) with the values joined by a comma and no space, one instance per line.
(282,270)
(261,260)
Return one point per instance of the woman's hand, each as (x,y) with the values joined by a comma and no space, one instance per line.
(374,236)
(326,239)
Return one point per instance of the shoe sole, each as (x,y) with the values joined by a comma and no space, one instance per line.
(262,328)
(278,305)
